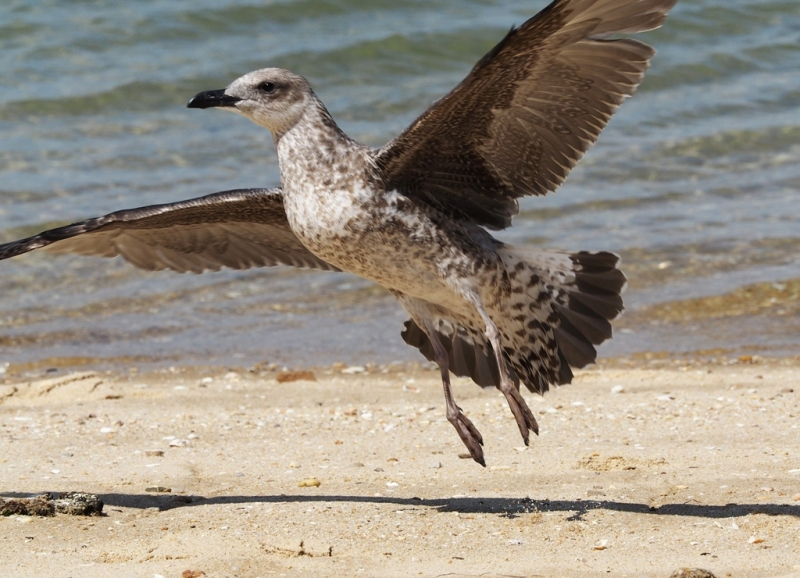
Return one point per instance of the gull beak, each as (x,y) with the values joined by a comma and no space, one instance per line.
(213,98)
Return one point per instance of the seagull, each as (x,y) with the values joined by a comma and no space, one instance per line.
(415,215)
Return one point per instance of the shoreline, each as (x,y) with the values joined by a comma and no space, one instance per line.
(229,321)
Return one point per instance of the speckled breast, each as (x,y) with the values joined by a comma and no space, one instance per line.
(386,238)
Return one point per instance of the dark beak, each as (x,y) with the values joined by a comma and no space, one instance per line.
(212,98)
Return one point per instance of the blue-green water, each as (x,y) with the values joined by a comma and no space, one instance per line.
(694,182)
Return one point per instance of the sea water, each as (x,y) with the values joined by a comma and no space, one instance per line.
(694,182)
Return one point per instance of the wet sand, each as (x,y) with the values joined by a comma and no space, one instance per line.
(641,468)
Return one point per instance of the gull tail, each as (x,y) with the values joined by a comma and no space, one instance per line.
(558,307)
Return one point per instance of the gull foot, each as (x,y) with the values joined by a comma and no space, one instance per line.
(469,434)
(522,413)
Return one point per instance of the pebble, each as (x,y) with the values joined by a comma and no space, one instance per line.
(154,453)
(691,573)
(601,545)
(289,376)
(309,483)
(78,504)
(617,389)
(24,507)
(435,465)
(796,497)
(515,542)
(755,540)
(158,489)
(178,443)
(354,369)
(192,573)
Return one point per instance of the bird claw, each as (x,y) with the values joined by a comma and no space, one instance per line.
(469,434)
(522,413)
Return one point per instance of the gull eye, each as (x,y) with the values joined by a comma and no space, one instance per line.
(267,87)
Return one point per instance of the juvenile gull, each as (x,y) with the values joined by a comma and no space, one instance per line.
(413,215)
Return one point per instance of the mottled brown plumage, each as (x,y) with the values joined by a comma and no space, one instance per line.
(412,216)
(530,108)
(237,229)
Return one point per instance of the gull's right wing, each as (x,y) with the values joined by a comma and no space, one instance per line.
(238,229)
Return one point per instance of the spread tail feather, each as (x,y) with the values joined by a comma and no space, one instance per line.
(559,308)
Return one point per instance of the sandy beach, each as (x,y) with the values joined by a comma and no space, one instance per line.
(641,468)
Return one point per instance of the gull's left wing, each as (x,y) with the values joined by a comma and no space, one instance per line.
(526,113)
(238,229)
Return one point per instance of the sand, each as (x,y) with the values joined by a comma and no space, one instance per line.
(638,471)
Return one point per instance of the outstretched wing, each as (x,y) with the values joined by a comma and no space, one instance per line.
(526,113)
(239,229)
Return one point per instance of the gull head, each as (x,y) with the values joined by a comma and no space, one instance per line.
(271,97)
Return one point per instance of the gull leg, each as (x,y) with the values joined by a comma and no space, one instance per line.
(522,413)
(467,431)
(469,434)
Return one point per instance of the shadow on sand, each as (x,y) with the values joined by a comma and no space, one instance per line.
(508,507)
